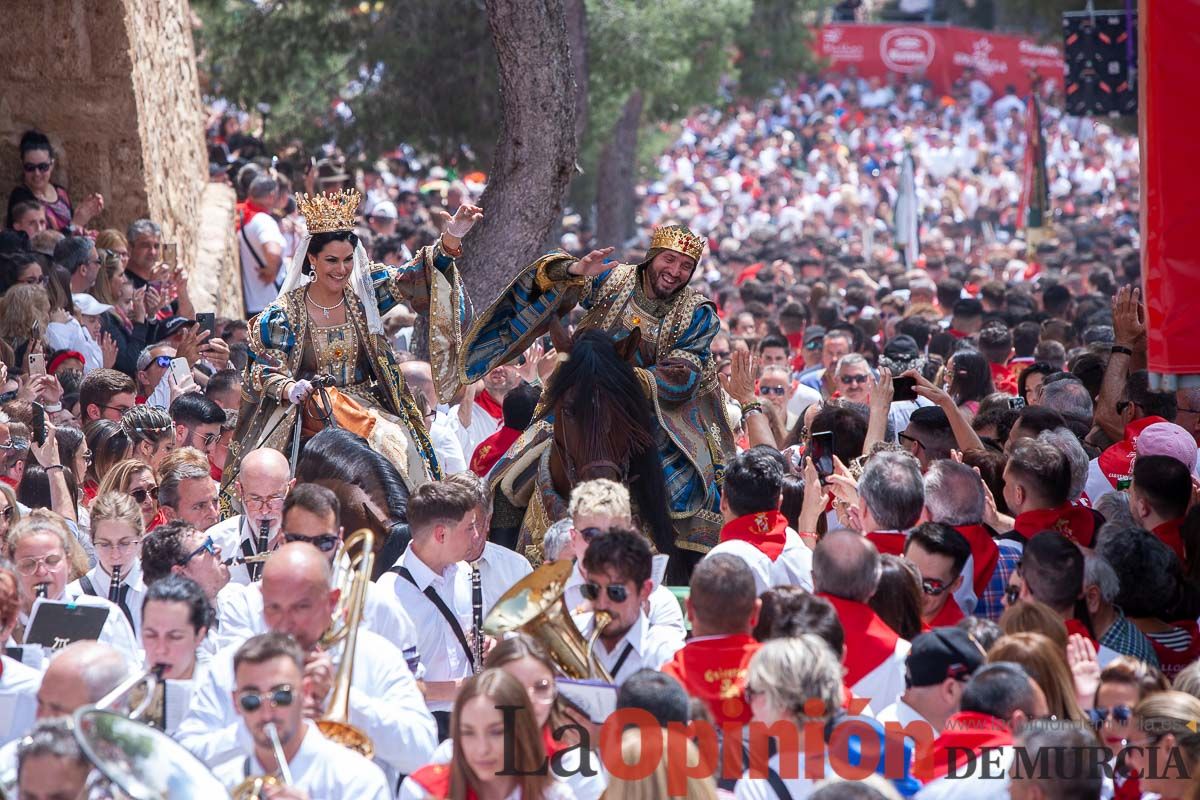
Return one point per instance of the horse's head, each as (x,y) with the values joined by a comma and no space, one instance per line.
(601,415)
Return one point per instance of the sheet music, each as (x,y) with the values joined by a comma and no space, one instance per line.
(658,569)
(594,698)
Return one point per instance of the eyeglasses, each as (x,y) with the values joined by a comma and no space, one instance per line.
(7,513)
(29,566)
(933,587)
(262,503)
(544,691)
(122,545)
(1012,593)
(587,534)
(42,167)
(326,542)
(616,592)
(139,495)
(768,390)
(904,437)
(206,547)
(209,438)
(1119,714)
(848,380)
(122,410)
(279,697)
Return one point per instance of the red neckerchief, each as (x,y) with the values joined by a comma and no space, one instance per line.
(159,519)
(747,273)
(9,481)
(489,404)
(984,555)
(435,779)
(869,640)
(248,211)
(714,670)
(491,449)
(1117,461)
(1003,378)
(1074,522)
(957,334)
(949,616)
(796,341)
(766,530)
(551,744)
(1076,626)
(1168,534)
(967,730)
(888,542)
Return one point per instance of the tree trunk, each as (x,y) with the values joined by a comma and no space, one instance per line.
(536,148)
(575,12)
(615,208)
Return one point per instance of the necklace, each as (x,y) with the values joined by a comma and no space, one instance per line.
(324,309)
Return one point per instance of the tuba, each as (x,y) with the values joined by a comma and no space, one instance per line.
(536,605)
(335,725)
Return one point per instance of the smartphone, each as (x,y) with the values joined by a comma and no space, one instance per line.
(39,423)
(821,451)
(180,370)
(208,322)
(35,334)
(904,389)
(170,253)
(37,363)
(1016,403)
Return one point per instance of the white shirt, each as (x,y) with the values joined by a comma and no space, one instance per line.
(902,713)
(219,635)
(242,617)
(228,534)
(320,767)
(583,787)
(18,698)
(101,581)
(499,569)
(881,686)
(261,231)
(482,426)
(441,653)
(799,787)
(446,445)
(385,703)
(116,630)
(664,607)
(71,335)
(649,646)
(792,568)
(1097,484)
(411,790)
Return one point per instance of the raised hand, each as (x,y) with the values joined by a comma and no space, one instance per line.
(463,220)
(742,376)
(108,346)
(592,264)
(1129,319)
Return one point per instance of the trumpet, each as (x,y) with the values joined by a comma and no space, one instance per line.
(252,788)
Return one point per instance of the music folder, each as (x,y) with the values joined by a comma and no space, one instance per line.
(595,699)
(57,623)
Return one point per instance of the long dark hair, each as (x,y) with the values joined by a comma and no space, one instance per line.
(971,378)
(596,376)
(318,241)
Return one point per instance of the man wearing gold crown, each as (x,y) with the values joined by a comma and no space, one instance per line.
(326,322)
(673,362)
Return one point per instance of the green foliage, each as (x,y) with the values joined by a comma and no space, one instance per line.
(775,44)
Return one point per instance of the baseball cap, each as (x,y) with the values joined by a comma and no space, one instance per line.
(173,326)
(385,210)
(940,654)
(1167,439)
(814,335)
(90,305)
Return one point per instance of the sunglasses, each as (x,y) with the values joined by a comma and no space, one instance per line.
(904,437)
(1012,593)
(1119,714)
(279,697)
(42,167)
(326,542)
(933,587)
(616,592)
(208,547)
(776,390)
(587,534)
(162,361)
(848,380)
(140,495)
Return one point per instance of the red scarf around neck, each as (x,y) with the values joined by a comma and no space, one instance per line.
(714,670)
(888,542)
(494,408)
(1074,522)
(435,778)
(967,730)
(491,449)
(766,530)
(1169,534)
(984,555)
(869,640)
(248,211)
(1116,462)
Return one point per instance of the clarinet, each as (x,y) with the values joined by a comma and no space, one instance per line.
(114,586)
(477,613)
(264,533)
(41,589)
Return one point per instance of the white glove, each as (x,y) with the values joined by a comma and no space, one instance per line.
(463,220)
(298,391)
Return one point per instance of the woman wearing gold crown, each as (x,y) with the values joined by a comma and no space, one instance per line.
(673,361)
(327,322)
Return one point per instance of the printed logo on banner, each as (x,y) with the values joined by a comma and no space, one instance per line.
(833,48)
(907,49)
(981,59)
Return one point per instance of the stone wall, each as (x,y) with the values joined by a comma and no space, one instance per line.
(113,84)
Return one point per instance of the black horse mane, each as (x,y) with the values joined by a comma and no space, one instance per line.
(338,454)
(596,373)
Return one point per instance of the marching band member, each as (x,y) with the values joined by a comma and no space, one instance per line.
(175,621)
(269,677)
(18,683)
(117,528)
(50,763)
(262,486)
(482,733)
(37,545)
(384,699)
(312,514)
(499,567)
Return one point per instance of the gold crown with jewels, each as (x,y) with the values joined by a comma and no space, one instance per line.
(329,211)
(679,239)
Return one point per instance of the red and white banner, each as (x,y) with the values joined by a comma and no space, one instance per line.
(940,54)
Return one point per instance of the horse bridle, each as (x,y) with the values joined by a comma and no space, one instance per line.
(573,472)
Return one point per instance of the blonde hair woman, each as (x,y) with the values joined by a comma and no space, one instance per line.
(1031,616)
(110,279)
(21,307)
(115,242)
(135,479)
(1046,662)
(1166,740)
(657,785)
(117,530)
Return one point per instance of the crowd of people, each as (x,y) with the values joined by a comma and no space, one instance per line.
(941,496)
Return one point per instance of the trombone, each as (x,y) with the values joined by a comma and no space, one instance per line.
(254,787)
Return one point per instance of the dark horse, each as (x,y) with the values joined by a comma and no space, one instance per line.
(603,427)
(369,488)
